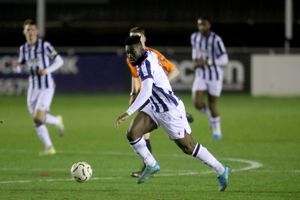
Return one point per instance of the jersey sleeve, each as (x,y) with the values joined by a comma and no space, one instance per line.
(145,71)
(21,57)
(193,44)
(220,47)
(51,52)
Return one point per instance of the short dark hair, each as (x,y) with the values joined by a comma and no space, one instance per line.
(206,18)
(137,29)
(29,22)
(133,40)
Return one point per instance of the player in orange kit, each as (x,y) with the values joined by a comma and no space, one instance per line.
(170,69)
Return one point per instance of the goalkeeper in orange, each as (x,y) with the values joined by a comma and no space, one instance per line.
(170,69)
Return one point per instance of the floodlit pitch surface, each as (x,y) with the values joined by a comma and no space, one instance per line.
(261,142)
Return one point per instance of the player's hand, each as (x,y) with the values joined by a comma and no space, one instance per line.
(42,72)
(121,119)
(201,62)
(15,64)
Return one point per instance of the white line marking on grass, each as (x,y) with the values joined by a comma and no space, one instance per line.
(34,169)
(56,180)
(251,165)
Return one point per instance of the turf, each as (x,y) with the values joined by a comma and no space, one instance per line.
(261,143)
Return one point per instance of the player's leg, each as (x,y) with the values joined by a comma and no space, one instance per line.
(190,147)
(179,130)
(215,120)
(141,125)
(199,103)
(41,129)
(57,121)
(138,173)
(198,93)
(43,106)
(214,91)
(198,100)
(148,144)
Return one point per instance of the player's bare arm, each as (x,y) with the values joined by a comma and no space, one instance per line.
(134,89)
(15,64)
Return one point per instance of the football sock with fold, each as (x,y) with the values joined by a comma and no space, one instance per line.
(140,147)
(205,156)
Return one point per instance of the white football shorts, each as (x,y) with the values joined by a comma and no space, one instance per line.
(213,87)
(174,121)
(39,99)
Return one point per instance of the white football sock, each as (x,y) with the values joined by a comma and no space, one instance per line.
(43,134)
(50,119)
(216,125)
(205,156)
(140,147)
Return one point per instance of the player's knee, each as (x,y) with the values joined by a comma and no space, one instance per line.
(131,136)
(38,119)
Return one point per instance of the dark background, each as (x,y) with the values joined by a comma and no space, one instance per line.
(241,23)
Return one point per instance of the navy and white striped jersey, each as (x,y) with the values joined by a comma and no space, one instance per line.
(38,56)
(162,97)
(209,48)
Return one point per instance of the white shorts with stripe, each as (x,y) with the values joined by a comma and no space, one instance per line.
(213,86)
(174,121)
(39,99)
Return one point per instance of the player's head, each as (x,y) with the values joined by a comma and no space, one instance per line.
(134,49)
(30,31)
(204,24)
(139,32)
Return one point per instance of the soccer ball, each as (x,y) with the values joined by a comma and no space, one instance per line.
(81,171)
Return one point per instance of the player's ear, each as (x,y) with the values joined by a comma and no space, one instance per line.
(24,30)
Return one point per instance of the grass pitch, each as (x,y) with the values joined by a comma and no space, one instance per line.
(261,143)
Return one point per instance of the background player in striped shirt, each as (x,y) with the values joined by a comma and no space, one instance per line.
(169,68)
(209,55)
(164,109)
(41,60)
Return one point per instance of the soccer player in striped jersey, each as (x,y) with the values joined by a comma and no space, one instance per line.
(209,55)
(164,109)
(41,59)
(170,69)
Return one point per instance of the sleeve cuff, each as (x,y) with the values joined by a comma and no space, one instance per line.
(129,112)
